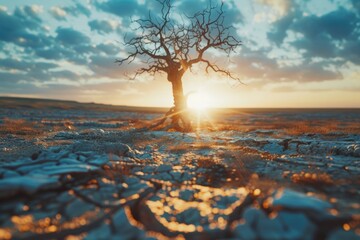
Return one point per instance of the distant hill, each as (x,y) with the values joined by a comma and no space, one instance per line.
(37,103)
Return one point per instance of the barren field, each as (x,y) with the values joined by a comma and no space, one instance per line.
(89,171)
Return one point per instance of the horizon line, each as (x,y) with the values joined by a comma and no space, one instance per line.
(166,107)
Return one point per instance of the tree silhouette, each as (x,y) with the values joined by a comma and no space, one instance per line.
(173,46)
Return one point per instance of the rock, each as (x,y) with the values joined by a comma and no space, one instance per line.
(164,168)
(132,180)
(10,173)
(65,197)
(176,175)
(342,234)
(27,185)
(26,169)
(66,169)
(69,161)
(149,169)
(186,194)
(273,147)
(244,232)
(102,232)
(119,149)
(189,216)
(290,199)
(245,229)
(296,225)
(123,228)
(99,160)
(164,176)
(77,208)
(145,156)
(186,176)
(251,215)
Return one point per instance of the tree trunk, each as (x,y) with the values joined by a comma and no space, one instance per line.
(180,116)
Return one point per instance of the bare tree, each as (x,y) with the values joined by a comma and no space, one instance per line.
(172,47)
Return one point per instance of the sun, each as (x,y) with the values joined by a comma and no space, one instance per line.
(198,101)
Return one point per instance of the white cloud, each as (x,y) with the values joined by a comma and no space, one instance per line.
(3,8)
(37,9)
(58,13)
(280,6)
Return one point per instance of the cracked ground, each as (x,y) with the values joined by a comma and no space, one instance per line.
(86,174)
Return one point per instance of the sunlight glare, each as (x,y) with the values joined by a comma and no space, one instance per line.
(198,101)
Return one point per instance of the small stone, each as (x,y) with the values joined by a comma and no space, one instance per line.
(164,176)
(164,168)
(186,176)
(189,216)
(148,148)
(186,195)
(132,180)
(176,175)
(119,149)
(149,169)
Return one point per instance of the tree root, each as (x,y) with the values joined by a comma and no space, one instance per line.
(179,122)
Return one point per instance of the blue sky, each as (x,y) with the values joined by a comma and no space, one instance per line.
(294,53)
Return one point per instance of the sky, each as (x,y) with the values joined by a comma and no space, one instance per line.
(295,53)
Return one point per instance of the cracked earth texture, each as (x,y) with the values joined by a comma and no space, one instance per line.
(85,174)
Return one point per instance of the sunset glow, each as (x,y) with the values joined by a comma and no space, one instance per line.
(293,54)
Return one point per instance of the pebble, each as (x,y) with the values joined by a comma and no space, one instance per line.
(164,168)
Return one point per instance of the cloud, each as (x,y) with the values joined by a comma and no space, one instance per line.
(190,7)
(104,66)
(58,13)
(123,8)
(78,10)
(29,13)
(256,65)
(16,64)
(280,6)
(334,34)
(108,48)
(69,36)
(103,26)
(16,28)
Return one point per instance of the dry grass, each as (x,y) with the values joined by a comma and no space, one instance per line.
(21,127)
(185,147)
(293,127)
